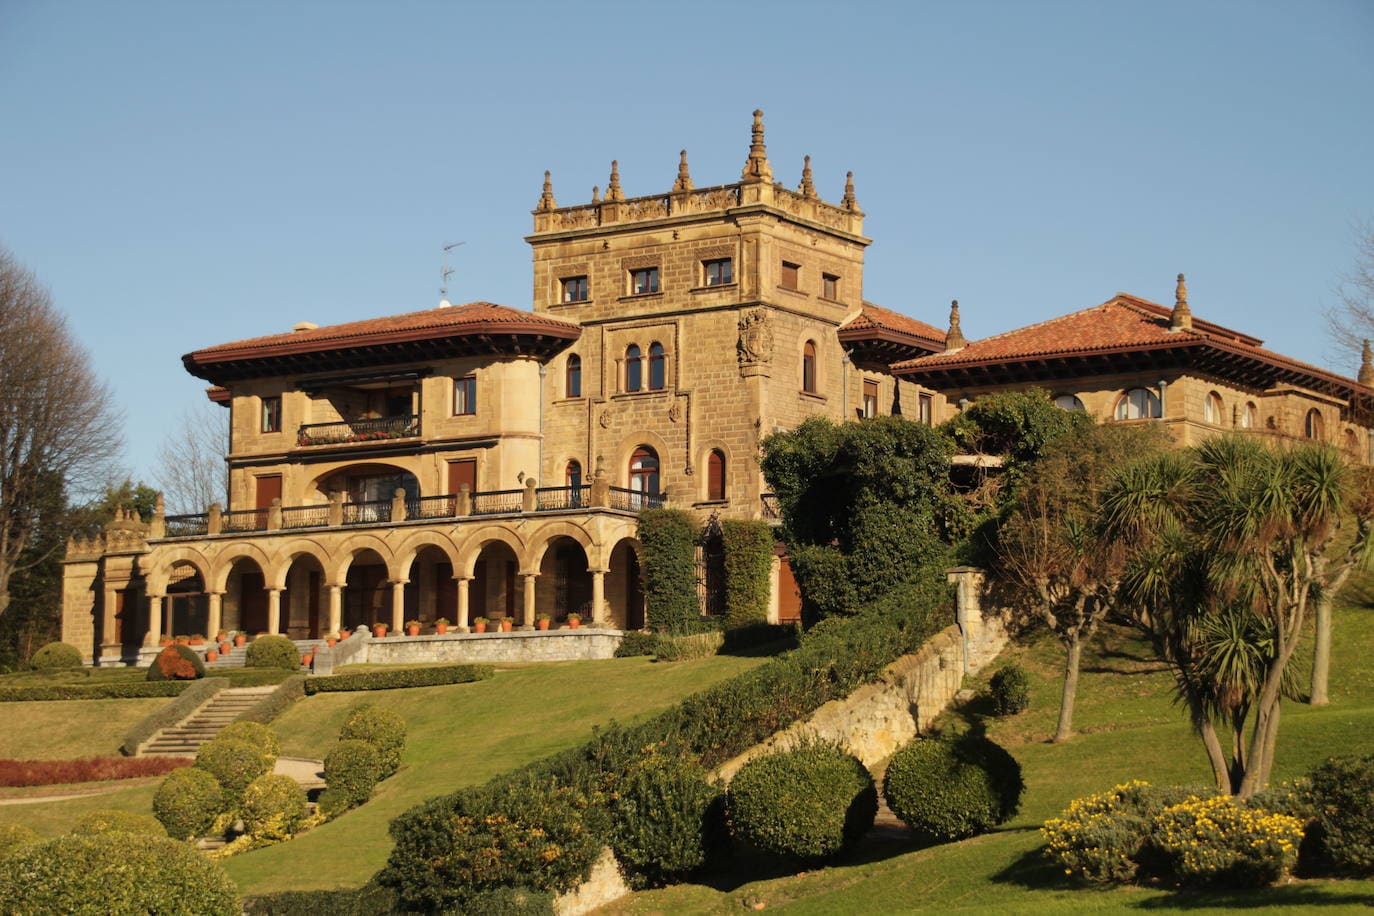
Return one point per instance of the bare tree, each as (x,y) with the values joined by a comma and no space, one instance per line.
(57,425)
(190,465)
(1351,322)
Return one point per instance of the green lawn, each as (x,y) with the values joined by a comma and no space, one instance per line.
(64,729)
(1128,728)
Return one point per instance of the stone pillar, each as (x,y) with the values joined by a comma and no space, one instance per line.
(529,500)
(335,608)
(336,504)
(463,504)
(398,606)
(398,505)
(154,621)
(968,610)
(274,515)
(215,623)
(462,614)
(599,616)
(274,611)
(527,621)
(214,519)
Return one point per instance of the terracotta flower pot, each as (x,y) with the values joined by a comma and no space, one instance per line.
(225,647)
(344,634)
(412,631)
(574,623)
(165,641)
(307,658)
(543,624)
(330,642)
(379,632)
(183,641)
(197,642)
(507,625)
(479,625)
(240,639)
(212,656)
(441,628)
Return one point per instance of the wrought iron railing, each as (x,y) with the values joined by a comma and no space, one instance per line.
(551,498)
(634,500)
(185,526)
(367,512)
(304,516)
(432,506)
(493,502)
(370,430)
(244,520)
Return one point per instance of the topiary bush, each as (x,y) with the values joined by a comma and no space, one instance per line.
(56,655)
(1220,842)
(748,568)
(234,764)
(273,652)
(381,728)
(115,873)
(666,818)
(274,807)
(351,771)
(811,803)
(1010,690)
(187,802)
(111,820)
(255,733)
(176,663)
(668,561)
(952,788)
(1343,794)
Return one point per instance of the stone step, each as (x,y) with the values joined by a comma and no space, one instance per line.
(205,723)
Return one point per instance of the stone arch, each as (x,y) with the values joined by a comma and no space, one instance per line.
(158,567)
(287,555)
(620,471)
(351,548)
(224,563)
(546,535)
(701,484)
(624,583)
(410,547)
(472,545)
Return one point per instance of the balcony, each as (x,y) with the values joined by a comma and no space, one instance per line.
(374,429)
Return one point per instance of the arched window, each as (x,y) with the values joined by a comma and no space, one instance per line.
(573,386)
(634,368)
(1138,404)
(1313,427)
(573,474)
(1068,402)
(809,367)
(1212,408)
(715,475)
(644,470)
(656,366)
(1249,417)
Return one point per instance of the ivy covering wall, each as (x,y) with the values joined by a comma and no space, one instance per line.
(748,564)
(668,540)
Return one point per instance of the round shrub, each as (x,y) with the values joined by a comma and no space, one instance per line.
(949,789)
(187,802)
(112,820)
(273,652)
(351,772)
(115,873)
(255,733)
(381,728)
(234,764)
(667,817)
(1343,793)
(1010,690)
(1219,842)
(56,655)
(273,807)
(176,663)
(12,836)
(635,643)
(810,803)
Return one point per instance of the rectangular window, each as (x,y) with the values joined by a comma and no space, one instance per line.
(870,399)
(465,396)
(643,281)
(575,289)
(791,275)
(927,410)
(271,415)
(830,286)
(720,272)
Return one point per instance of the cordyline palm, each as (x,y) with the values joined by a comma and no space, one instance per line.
(1234,530)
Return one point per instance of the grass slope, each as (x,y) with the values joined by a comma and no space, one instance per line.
(1128,728)
(67,729)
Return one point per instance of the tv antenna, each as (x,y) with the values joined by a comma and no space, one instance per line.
(447,271)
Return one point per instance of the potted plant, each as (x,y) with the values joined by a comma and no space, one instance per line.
(441,626)
(412,628)
(225,647)
(307,659)
(331,641)
(182,640)
(479,625)
(379,630)
(165,641)
(221,636)
(212,655)
(574,621)
(542,621)
(240,638)
(197,639)
(344,634)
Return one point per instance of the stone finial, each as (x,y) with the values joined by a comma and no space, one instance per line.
(954,337)
(1366,376)
(613,191)
(596,194)
(756,167)
(807,186)
(1181,317)
(684,178)
(546,201)
(849,202)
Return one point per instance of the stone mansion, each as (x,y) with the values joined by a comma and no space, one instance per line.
(481,460)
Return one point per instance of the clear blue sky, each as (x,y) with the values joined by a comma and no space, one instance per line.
(184,174)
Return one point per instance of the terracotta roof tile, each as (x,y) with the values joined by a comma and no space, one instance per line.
(876,318)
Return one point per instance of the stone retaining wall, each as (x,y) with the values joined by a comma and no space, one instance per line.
(518,646)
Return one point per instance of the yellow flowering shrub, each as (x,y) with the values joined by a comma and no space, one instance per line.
(1103,838)
(1221,842)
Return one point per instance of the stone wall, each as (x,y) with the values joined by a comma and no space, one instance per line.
(521,646)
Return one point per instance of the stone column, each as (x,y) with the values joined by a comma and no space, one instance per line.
(599,598)
(335,608)
(274,610)
(398,606)
(527,621)
(154,621)
(216,613)
(462,613)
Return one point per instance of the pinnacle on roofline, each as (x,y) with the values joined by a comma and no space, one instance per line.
(807,186)
(1182,317)
(546,201)
(849,203)
(613,191)
(684,177)
(954,337)
(756,167)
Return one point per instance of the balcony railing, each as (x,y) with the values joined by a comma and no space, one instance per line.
(375,429)
(304,516)
(186,526)
(244,520)
(432,507)
(497,501)
(548,499)
(634,500)
(368,512)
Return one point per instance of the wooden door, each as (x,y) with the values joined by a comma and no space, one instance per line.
(252,603)
(462,472)
(268,489)
(789,593)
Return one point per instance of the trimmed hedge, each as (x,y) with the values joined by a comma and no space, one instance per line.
(1343,793)
(112,820)
(90,769)
(274,807)
(351,771)
(187,802)
(667,540)
(952,788)
(381,728)
(255,733)
(276,702)
(273,652)
(748,569)
(126,690)
(686,648)
(189,696)
(55,656)
(403,677)
(176,663)
(636,643)
(666,819)
(369,900)
(1010,690)
(234,764)
(115,873)
(811,803)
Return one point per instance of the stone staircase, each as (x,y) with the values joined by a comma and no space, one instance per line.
(185,738)
(235,659)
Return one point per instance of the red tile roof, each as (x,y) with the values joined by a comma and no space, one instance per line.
(876,318)
(883,336)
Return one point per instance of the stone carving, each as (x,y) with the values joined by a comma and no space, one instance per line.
(646,208)
(755,338)
(577,217)
(675,411)
(712,199)
(605,419)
